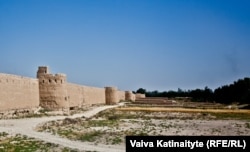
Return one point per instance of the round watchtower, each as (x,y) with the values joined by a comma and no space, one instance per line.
(111,95)
(129,96)
(42,70)
(52,90)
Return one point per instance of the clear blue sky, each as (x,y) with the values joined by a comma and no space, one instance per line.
(153,44)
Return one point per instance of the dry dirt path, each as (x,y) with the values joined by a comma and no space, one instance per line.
(26,127)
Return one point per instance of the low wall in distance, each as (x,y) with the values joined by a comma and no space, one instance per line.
(139,95)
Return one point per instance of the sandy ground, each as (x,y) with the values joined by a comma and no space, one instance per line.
(26,127)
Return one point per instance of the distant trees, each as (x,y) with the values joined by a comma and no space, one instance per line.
(205,94)
(239,92)
(141,90)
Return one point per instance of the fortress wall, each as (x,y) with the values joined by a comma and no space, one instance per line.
(53,91)
(121,95)
(94,95)
(75,95)
(17,92)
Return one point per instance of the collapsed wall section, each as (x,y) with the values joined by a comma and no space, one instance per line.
(18,92)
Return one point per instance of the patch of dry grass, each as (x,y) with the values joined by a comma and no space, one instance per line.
(22,143)
(111,126)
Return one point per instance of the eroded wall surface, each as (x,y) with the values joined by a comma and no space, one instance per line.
(17,92)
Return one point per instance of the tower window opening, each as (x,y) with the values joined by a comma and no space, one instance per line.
(49,81)
(55,80)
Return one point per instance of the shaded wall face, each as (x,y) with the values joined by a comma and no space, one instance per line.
(18,92)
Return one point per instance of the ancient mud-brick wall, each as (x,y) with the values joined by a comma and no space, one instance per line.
(80,95)
(94,95)
(121,95)
(17,92)
(52,90)
(75,95)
